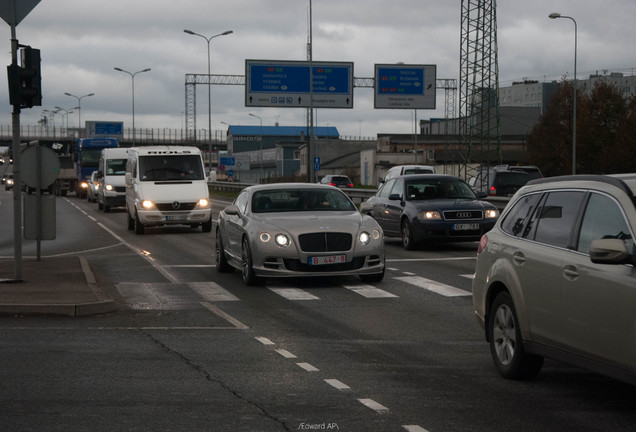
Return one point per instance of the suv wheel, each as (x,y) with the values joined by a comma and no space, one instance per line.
(506,346)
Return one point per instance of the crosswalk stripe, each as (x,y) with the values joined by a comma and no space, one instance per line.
(293,293)
(212,291)
(436,287)
(369,291)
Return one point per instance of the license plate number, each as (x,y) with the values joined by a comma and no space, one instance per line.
(322,260)
(465,227)
(176,218)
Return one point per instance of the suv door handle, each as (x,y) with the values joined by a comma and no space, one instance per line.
(519,258)
(570,272)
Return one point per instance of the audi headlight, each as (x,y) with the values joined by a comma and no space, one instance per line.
(491,213)
(147,204)
(429,215)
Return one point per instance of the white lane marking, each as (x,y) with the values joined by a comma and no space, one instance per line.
(436,287)
(308,367)
(369,291)
(370,403)
(293,294)
(212,291)
(431,259)
(337,384)
(414,428)
(264,340)
(285,353)
(151,296)
(409,273)
(218,312)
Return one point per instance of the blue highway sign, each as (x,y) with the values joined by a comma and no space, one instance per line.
(405,86)
(285,84)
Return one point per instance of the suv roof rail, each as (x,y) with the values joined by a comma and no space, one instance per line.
(588,177)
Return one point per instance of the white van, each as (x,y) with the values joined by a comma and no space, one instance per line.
(166,185)
(111,189)
(407,169)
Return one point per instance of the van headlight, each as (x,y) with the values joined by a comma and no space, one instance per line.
(109,187)
(147,204)
(203,204)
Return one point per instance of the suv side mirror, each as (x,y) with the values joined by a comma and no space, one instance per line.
(610,251)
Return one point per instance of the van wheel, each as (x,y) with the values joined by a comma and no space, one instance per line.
(207,226)
(139,227)
(506,346)
(131,221)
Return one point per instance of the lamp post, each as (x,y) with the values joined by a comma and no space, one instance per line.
(79,108)
(132,76)
(556,15)
(208,39)
(261,120)
(66,112)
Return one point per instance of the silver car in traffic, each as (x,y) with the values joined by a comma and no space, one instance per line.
(298,229)
(556,277)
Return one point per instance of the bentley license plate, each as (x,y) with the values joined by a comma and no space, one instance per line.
(465,227)
(332,259)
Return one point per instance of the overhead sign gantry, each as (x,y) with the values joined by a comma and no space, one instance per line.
(285,84)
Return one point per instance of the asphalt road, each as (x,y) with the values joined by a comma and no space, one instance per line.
(190,349)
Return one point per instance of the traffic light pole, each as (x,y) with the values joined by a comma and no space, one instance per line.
(17,189)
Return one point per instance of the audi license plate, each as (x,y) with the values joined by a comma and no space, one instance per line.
(174,218)
(465,227)
(332,259)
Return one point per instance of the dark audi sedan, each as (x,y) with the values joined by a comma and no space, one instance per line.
(430,207)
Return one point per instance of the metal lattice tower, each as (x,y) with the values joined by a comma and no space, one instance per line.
(479,119)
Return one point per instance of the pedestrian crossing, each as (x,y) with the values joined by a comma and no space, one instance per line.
(174,295)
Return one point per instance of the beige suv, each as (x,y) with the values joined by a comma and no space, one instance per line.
(556,277)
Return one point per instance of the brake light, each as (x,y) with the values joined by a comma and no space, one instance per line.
(350,185)
(332,184)
(482,243)
(492,191)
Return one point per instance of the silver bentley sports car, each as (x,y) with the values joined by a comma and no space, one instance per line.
(295,230)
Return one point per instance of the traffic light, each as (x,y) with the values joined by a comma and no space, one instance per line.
(25,81)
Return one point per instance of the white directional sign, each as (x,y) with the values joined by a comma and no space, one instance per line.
(401,86)
(285,84)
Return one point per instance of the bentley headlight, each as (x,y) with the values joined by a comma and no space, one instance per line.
(491,213)
(265,237)
(429,215)
(376,234)
(282,240)
(365,238)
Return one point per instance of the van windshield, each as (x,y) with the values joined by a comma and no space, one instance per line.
(170,167)
(116,166)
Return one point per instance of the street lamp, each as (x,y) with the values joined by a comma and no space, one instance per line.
(132,76)
(79,108)
(66,112)
(261,120)
(556,15)
(208,39)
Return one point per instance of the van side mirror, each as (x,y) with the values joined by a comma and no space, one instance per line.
(128,178)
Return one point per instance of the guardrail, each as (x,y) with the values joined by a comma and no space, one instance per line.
(358,196)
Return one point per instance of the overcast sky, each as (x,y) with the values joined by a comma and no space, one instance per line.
(81,41)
